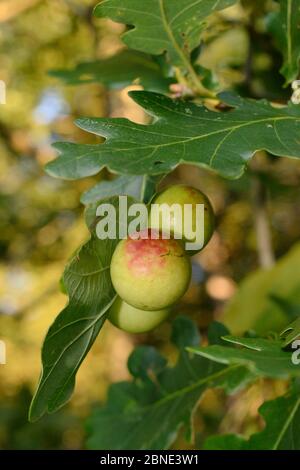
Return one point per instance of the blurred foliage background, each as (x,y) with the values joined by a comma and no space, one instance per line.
(41,218)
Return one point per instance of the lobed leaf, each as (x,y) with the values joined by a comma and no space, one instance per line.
(284,26)
(149,412)
(281,432)
(182,133)
(116,72)
(263,357)
(172,26)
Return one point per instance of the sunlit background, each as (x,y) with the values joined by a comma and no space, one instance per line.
(41,218)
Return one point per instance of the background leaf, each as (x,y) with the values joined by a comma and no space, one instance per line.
(141,188)
(262,356)
(182,133)
(172,26)
(88,284)
(284,26)
(148,412)
(267,300)
(118,71)
(281,432)
(130,185)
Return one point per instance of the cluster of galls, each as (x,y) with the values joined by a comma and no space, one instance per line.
(150,273)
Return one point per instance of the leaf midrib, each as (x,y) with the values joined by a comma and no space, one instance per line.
(186,63)
(45,380)
(107,149)
(286,424)
(189,139)
(190,388)
(92,273)
(188,7)
(183,391)
(171,35)
(69,377)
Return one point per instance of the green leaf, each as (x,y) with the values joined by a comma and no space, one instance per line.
(172,26)
(148,412)
(141,188)
(281,432)
(182,133)
(145,361)
(184,333)
(262,356)
(88,285)
(129,185)
(267,300)
(291,333)
(117,72)
(75,329)
(216,332)
(225,442)
(284,26)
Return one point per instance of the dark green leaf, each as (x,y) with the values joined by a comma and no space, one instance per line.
(281,432)
(88,285)
(225,442)
(172,26)
(141,188)
(262,356)
(182,133)
(284,26)
(118,71)
(144,361)
(69,339)
(215,333)
(184,333)
(148,412)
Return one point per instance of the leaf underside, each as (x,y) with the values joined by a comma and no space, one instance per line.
(88,285)
(140,187)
